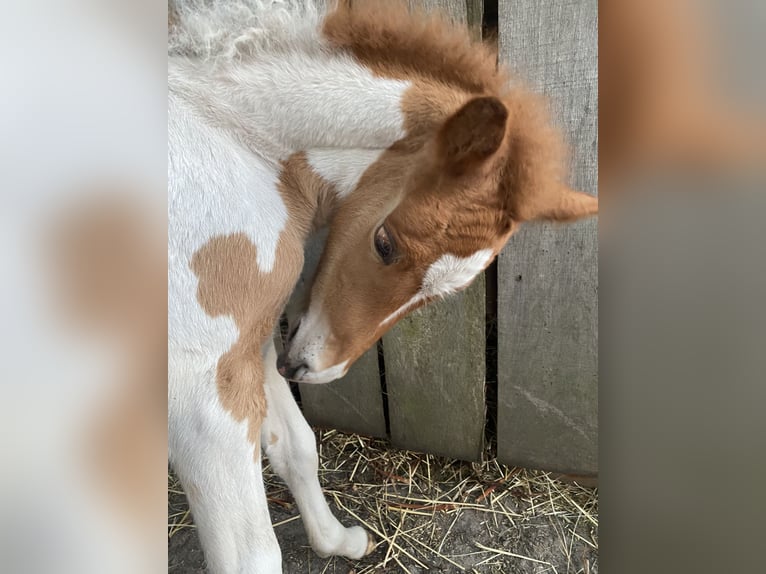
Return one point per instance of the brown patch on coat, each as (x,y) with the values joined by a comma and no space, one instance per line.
(230,283)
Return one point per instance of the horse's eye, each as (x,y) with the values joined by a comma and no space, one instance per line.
(384,246)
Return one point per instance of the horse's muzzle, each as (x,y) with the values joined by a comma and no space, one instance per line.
(292,372)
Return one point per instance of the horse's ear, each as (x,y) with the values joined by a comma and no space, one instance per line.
(563,205)
(472,134)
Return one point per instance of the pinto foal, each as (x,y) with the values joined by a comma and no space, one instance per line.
(391,128)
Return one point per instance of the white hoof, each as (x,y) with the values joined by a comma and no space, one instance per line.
(354,543)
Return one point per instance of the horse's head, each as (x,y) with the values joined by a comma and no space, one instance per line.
(423,222)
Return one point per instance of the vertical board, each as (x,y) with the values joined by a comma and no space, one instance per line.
(353,403)
(463,11)
(435,374)
(434,359)
(548,275)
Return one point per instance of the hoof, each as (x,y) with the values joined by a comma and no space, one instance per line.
(371,545)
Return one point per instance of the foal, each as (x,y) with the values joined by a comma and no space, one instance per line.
(392,129)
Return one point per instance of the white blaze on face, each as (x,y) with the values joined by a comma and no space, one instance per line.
(445,276)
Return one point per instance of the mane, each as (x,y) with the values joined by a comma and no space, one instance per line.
(412,42)
(537,159)
(234,30)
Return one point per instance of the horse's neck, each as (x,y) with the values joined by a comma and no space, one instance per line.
(279,104)
(327,108)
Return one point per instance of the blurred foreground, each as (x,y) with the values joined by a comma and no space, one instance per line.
(83,228)
(682,366)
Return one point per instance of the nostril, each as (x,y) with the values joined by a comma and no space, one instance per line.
(281,364)
(288,371)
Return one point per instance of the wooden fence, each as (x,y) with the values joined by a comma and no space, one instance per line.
(429,383)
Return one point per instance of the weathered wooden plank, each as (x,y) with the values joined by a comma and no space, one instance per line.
(435,372)
(434,361)
(548,276)
(353,403)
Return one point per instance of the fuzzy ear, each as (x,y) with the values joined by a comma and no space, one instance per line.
(473,134)
(565,205)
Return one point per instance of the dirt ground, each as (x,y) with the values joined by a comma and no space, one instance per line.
(427,514)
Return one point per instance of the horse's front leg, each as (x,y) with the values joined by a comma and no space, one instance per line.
(289,443)
(220,470)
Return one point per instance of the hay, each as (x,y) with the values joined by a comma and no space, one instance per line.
(437,514)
